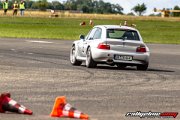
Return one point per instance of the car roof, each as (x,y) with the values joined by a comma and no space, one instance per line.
(115,27)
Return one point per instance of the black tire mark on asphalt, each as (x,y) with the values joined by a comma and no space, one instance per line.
(91,74)
(63,57)
(147,79)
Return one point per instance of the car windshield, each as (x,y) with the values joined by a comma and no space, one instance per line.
(122,34)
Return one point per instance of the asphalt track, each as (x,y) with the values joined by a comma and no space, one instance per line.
(35,72)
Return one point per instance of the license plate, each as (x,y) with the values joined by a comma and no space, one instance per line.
(123,57)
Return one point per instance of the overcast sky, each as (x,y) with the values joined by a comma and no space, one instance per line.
(151,4)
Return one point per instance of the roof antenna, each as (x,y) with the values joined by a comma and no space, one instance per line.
(125,23)
(120,25)
(133,25)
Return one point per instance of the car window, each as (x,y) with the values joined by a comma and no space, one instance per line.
(122,34)
(97,34)
(91,34)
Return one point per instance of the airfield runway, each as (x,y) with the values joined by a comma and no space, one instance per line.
(35,72)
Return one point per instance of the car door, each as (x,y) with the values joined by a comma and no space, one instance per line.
(88,40)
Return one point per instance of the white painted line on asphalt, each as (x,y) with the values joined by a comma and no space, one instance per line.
(46,42)
(30,53)
(14,50)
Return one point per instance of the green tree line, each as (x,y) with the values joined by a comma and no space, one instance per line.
(176,14)
(86,6)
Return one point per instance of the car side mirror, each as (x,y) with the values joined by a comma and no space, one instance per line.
(82,37)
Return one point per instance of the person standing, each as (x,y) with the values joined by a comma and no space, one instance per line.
(15,8)
(5,7)
(22,8)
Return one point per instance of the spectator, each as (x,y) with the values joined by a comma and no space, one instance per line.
(15,8)
(22,8)
(5,7)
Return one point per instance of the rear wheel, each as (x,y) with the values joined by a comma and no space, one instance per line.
(142,67)
(90,63)
(73,59)
(121,66)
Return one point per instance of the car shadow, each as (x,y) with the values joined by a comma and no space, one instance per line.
(159,70)
(132,69)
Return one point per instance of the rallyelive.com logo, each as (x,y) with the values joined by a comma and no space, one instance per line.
(152,114)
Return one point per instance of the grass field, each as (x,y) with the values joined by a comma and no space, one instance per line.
(157,30)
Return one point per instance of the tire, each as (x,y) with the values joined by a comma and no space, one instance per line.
(142,67)
(90,63)
(73,59)
(121,66)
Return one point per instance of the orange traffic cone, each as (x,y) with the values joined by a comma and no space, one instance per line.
(63,109)
(8,104)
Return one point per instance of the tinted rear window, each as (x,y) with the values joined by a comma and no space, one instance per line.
(122,34)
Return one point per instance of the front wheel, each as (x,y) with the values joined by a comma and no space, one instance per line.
(90,63)
(73,59)
(142,67)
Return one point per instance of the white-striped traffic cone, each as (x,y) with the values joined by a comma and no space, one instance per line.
(8,104)
(63,109)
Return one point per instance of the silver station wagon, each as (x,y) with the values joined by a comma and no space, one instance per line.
(113,45)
